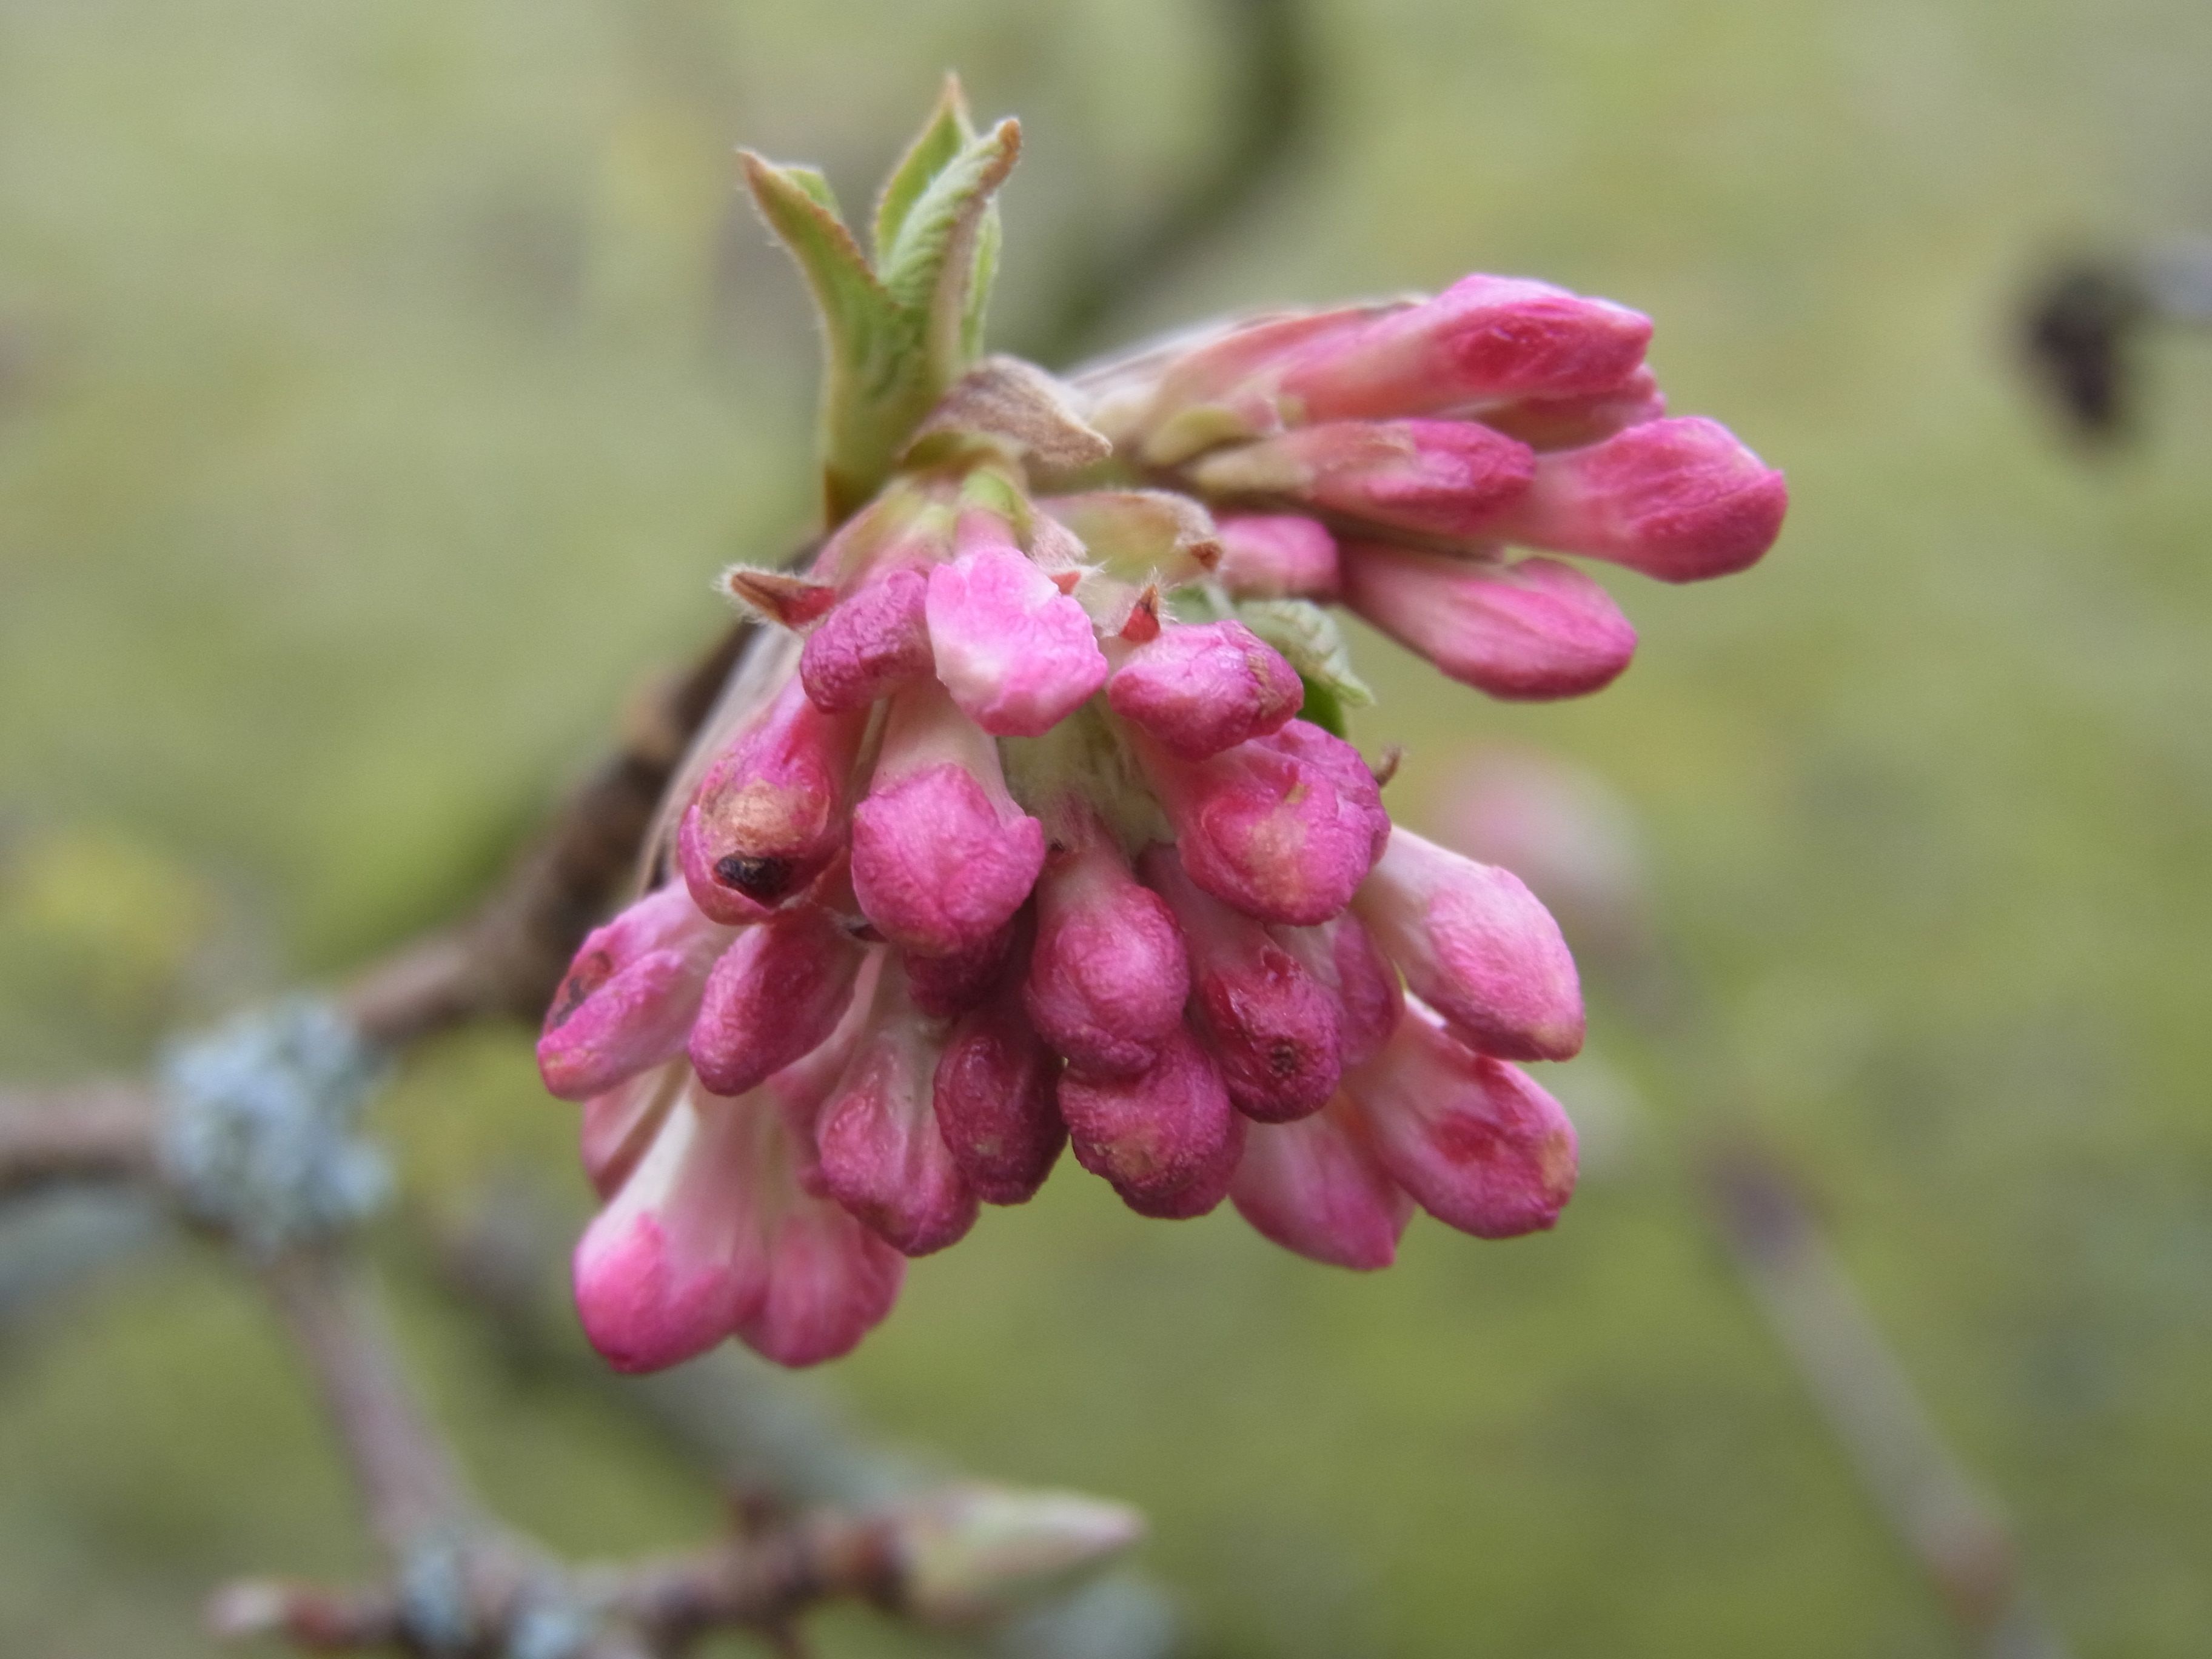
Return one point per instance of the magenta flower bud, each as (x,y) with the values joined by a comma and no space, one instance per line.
(1276,555)
(776,995)
(1283,828)
(1201,1195)
(1270,1028)
(945,988)
(1681,499)
(1016,654)
(801,1090)
(628,998)
(993,1093)
(942,857)
(1201,688)
(619,1125)
(831,1282)
(882,1156)
(1586,417)
(1523,632)
(1479,946)
(1435,477)
(1106,982)
(1317,1187)
(1362,983)
(1157,1136)
(870,645)
(676,1261)
(770,814)
(1483,340)
(1474,1140)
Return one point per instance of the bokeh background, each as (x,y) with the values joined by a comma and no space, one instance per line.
(380,386)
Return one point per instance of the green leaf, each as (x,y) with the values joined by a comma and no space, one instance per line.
(935,267)
(943,136)
(1309,639)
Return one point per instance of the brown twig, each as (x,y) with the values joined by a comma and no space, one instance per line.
(86,1131)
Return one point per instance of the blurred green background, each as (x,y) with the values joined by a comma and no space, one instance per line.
(380,384)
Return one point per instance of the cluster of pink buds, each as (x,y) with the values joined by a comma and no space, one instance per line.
(1045,833)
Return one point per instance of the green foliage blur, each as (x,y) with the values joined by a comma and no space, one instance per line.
(380,385)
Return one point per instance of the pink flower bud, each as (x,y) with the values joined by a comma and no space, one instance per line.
(1316,1187)
(1201,688)
(619,1125)
(1479,946)
(1681,499)
(942,858)
(1106,981)
(945,988)
(1586,417)
(801,1090)
(1157,1136)
(1016,654)
(1474,1140)
(1435,478)
(1483,340)
(628,998)
(1270,1028)
(882,1156)
(1284,828)
(1276,555)
(1362,983)
(831,1282)
(770,813)
(1201,1195)
(676,1261)
(1221,387)
(993,1094)
(1526,631)
(776,994)
(870,645)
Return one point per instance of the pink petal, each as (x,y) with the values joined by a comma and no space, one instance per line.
(1316,1187)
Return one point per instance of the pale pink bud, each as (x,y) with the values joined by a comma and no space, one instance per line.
(1526,631)
(1483,340)
(1681,499)
(882,1156)
(995,1098)
(1270,1028)
(776,995)
(627,1000)
(1284,828)
(1436,478)
(945,988)
(1583,418)
(619,1125)
(1477,944)
(831,1281)
(942,857)
(1317,1187)
(1474,1140)
(1156,1136)
(1361,981)
(1106,981)
(676,1261)
(870,645)
(1200,689)
(770,813)
(1016,654)
(1276,555)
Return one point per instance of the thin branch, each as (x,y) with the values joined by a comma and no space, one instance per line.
(99,1130)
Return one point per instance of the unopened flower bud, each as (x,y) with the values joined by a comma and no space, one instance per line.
(1435,478)
(1474,1140)
(882,1156)
(1586,417)
(1270,1028)
(1156,1135)
(1207,1185)
(976,1552)
(1276,555)
(1283,828)
(1526,631)
(1478,946)
(831,1282)
(1317,1187)
(870,645)
(1362,983)
(1200,688)
(942,857)
(771,812)
(946,986)
(1106,982)
(1015,653)
(776,995)
(995,1098)
(1681,499)
(627,1000)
